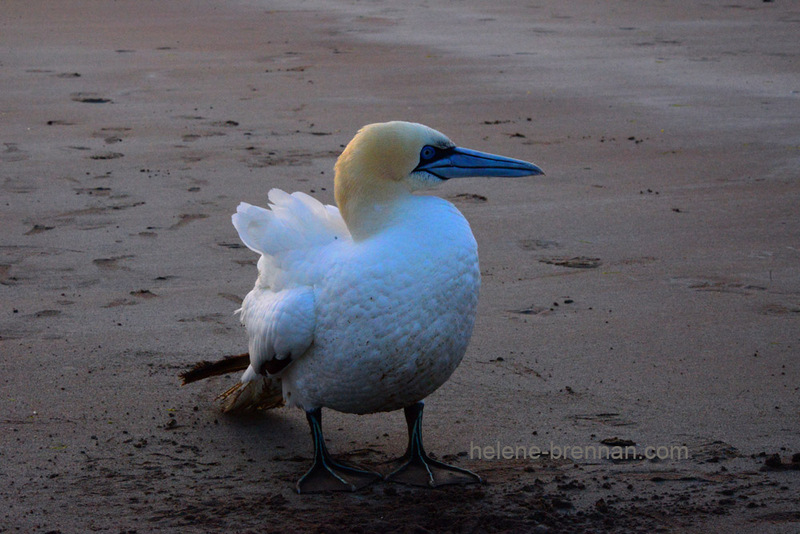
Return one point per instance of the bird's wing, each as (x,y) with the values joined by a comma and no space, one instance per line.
(280,326)
(292,222)
(279,313)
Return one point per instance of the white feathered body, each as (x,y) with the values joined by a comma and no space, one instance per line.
(370,325)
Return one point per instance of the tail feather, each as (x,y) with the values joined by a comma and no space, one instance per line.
(260,394)
(206,369)
(263,393)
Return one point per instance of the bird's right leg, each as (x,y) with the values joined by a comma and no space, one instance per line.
(326,474)
(419,469)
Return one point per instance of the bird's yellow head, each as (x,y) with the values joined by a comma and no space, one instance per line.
(389,160)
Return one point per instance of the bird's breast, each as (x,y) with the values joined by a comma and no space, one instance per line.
(394,316)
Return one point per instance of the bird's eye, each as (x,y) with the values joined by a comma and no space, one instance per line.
(427,152)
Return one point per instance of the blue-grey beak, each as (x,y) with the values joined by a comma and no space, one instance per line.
(455,162)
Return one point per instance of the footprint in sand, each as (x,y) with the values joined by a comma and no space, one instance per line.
(111,135)
(12,153)
(578,262)
(46,313)
(531,310)
(193,158)
(224,124)
(106,155)
(90,98)
(186,218)
(38,229)
(468,198)
(110,264)
(16,185)
(776,309)
(5,275)
(190,138)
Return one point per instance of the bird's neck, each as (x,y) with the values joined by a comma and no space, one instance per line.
(368,205)
(373,210)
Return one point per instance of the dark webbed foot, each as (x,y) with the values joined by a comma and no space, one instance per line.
(325,473)
(419,469)
(333,476)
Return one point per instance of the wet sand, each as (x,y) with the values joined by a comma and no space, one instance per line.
(645,293)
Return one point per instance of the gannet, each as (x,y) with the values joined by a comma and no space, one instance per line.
(367,307)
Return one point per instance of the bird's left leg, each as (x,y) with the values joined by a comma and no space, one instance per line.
(326,474)
(419,469)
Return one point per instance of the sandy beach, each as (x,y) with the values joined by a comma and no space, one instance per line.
(641,300)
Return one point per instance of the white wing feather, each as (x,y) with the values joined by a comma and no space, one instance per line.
(280,325)
(293,222)
(279,313)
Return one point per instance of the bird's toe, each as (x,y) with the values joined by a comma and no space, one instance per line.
(332,476)
(425,471)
